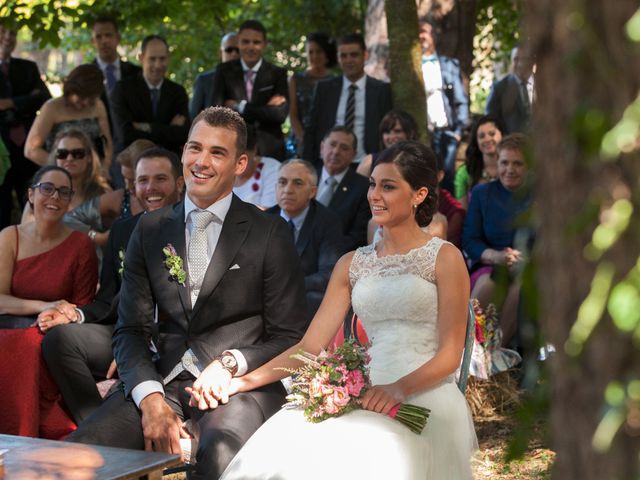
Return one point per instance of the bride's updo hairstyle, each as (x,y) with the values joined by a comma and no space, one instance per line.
(418,166)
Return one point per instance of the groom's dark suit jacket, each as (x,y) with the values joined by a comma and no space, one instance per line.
(229,84)
(252,297)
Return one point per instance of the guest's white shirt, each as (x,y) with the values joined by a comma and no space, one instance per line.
(116,71)
(359,119)
(245,69)
(324,177)
(432,75)
(150,86)
(261,191)
(298,221)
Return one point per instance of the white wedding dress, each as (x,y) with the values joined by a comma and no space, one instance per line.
(396,299)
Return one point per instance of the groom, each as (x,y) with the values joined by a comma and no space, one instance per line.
(234,300)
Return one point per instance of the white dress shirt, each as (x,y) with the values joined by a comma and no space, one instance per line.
(245,68)
(324,176)
(297,221)
(432,75)
(116,71)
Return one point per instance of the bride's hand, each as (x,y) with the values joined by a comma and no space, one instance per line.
(236,385)
(382,398)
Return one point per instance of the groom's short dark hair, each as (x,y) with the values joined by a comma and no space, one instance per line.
(226,118)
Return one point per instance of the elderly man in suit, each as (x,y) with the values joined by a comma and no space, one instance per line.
(105,38)
(447,102)
(316,230)
(22,93)
(256,89)
(511,98)
(148,105)
(203,86)
(354,100)
(341,189)
(211,288)
(80,353)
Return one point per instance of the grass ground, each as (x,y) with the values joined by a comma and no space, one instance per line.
(494,405)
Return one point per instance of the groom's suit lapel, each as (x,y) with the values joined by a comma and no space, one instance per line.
(234,232)
(173,232)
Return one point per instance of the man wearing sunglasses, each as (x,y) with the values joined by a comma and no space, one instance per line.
(203,86)
(80,353)
(256,89)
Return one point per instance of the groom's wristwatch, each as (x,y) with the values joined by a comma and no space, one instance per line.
(228,362)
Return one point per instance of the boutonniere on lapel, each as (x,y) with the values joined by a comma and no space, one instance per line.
(174,263)
(121,253)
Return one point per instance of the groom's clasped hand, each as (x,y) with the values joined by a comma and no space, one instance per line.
(211,388)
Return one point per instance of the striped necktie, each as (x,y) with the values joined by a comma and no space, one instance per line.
(350,110)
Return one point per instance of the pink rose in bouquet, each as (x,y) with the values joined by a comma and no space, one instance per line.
(337,400)
(355,382)
(332,384)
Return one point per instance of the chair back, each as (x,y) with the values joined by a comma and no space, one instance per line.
(468,349)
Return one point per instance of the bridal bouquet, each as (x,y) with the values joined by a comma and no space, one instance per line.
(331,384)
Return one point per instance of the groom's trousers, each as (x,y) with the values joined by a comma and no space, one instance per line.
(222,431)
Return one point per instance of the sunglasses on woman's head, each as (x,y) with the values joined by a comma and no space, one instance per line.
(76,153)
(49,189)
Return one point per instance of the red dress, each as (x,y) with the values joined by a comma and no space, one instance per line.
(30,403)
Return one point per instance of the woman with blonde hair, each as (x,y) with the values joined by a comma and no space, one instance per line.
(73,151)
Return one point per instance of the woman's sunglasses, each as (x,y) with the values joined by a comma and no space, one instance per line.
(76,153)
(48,189)
(232,50)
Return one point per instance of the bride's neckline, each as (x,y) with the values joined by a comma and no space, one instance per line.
(408,252)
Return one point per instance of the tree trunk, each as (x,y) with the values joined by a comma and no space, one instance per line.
(455,22)
(407,84)
(588,71)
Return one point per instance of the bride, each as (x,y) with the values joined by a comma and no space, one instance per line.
(396,288)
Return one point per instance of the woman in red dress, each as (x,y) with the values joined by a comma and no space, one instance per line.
(41,262)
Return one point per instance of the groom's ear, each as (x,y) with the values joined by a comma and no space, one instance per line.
(241,164)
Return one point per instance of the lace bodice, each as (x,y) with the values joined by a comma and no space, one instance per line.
(396,299)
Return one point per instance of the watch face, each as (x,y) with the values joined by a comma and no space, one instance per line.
(229,362)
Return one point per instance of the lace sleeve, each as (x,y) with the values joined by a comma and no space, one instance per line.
(358,267)
(420,262)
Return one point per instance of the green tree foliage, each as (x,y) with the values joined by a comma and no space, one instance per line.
(498,30)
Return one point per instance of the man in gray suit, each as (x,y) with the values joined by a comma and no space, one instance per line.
(511,98)
(203,86)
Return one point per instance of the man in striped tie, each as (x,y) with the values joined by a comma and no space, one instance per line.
(354,100)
